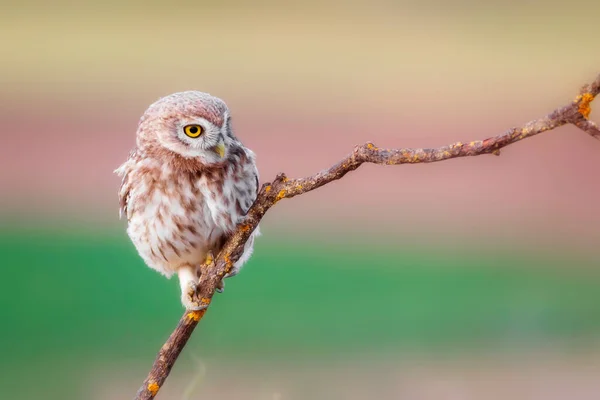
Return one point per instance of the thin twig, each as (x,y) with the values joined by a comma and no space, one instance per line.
(576,113)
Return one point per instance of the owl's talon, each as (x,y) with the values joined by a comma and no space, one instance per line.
(220,287)
(191,289)
(188,298)
(195,306)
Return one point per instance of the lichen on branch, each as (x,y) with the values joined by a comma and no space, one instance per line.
(576,113)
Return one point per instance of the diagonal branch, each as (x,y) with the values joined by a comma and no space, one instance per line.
(576,113)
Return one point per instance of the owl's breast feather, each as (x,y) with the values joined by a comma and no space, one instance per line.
(177,218)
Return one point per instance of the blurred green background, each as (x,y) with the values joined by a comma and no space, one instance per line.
(468,279)
(88,304)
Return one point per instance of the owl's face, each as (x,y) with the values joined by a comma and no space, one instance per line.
(190,124)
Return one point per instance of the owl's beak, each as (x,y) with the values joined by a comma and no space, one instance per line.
(219,149)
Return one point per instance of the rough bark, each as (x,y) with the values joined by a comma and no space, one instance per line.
(576,113)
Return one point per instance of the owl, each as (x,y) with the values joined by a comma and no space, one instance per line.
(185,186)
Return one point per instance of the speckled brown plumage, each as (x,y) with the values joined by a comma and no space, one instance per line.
(183,195)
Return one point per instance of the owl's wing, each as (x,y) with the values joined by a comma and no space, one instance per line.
(247,192)
(253,185)
(125,189)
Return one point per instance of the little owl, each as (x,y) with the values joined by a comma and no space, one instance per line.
(185,187)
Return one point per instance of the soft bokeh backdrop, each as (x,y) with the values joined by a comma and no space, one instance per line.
(468,279)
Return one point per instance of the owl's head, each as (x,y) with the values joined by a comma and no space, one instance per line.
(190,124)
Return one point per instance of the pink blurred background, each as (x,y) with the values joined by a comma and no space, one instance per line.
(305,84)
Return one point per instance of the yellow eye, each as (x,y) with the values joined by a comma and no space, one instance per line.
(193,131)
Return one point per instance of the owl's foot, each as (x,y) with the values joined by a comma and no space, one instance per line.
(189,297)
(189,289)
(221,285)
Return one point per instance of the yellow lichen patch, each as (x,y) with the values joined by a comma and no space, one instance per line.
(209,259)
(228,264)
(153,388)
(280,195)
(244,228)
(205,300)
(584,105)
(195,315)
(268,189)
(285,179)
